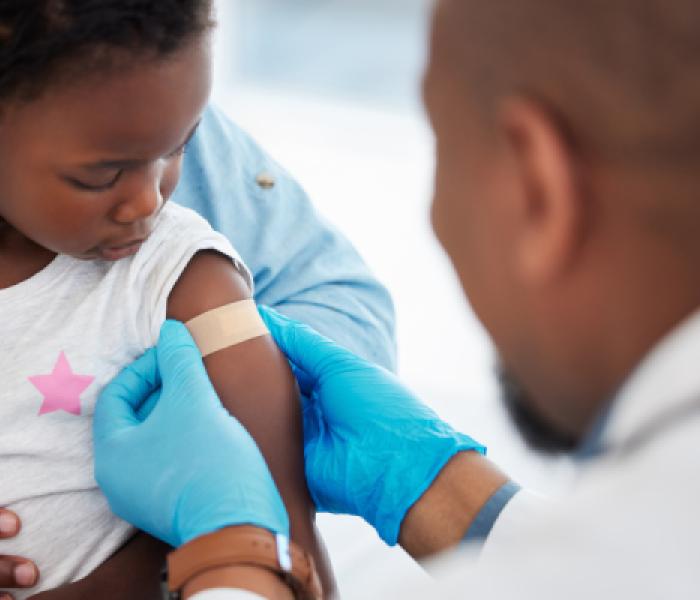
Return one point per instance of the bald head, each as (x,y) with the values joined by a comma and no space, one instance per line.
(568,184)
(622,76)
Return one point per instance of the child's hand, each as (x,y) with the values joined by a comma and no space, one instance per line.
(188,467)
(15,571)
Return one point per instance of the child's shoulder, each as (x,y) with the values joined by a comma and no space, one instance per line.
(178,234)
(151,274)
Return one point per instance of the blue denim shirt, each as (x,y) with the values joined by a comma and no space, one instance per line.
(302,266)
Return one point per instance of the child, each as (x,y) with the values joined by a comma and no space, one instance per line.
(97,103)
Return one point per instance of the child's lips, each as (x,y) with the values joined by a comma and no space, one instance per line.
(119,252)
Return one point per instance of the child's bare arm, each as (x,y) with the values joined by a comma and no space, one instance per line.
(255,384)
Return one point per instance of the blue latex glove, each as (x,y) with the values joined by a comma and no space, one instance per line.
(170,459)
(371,448)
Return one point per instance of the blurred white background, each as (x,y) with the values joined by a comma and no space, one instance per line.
(331,88)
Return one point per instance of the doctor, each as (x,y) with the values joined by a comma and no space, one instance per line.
(567,198)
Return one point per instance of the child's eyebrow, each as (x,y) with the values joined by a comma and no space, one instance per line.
(129,163)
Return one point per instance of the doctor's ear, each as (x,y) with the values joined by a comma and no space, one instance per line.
(549,204)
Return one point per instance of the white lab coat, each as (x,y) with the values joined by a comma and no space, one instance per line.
(629,529)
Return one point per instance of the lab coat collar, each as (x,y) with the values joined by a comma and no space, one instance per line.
(666,380)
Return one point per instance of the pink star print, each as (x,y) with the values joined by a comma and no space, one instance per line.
(61,388)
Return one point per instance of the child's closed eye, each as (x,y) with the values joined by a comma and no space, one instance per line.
(91,186)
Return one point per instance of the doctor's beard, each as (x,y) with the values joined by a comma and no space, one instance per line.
(532,427)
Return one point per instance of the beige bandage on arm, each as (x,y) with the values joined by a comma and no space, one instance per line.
(226,326)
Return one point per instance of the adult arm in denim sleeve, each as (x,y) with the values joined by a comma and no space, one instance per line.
(302,266)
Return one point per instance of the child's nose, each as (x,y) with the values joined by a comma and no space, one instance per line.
(140,202)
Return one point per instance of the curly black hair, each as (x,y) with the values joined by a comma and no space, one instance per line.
(43,40)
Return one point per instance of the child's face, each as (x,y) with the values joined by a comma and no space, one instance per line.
(85,169)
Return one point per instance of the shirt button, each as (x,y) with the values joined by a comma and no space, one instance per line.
(265,180)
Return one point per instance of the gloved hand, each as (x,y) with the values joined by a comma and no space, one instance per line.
(183,467)
(371,448)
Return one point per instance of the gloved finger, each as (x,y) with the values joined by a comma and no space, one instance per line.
(305,381)
(177,353)
(147,407)
(305,348)
(181,366)
(17,572)
(312,419)
(117,404)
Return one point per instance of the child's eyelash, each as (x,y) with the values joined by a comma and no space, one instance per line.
(86,187)
(179,152)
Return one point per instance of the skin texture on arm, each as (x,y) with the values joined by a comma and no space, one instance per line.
(442,516)
(256,385)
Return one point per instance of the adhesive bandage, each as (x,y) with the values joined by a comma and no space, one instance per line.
(226,326)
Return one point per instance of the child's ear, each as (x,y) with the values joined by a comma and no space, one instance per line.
(550,207)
